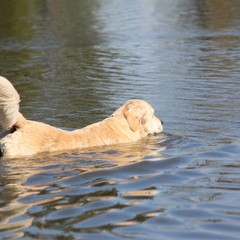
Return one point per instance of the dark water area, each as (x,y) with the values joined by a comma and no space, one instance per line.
(74,63)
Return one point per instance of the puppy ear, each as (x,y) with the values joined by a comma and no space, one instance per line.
(133,121)
(134,116)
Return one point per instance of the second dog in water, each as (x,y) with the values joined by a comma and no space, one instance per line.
(133,121)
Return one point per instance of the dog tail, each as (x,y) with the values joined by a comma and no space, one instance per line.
(9,104)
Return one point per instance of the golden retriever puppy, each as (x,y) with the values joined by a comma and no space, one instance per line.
(21,137)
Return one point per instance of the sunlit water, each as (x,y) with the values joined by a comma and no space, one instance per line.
(74,63)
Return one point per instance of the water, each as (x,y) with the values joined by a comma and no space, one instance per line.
(74,63)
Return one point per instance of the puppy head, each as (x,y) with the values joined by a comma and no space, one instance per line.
(141,119)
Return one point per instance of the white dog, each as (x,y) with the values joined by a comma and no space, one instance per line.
(21,137)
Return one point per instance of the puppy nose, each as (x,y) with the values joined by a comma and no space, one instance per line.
(1,153)
(160,120)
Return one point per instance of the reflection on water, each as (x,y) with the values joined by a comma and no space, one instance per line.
(74,63)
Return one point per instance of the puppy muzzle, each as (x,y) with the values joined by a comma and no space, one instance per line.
(1,153)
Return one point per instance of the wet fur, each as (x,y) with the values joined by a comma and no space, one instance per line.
(21,137)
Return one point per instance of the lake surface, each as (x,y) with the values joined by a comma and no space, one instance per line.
(74,63)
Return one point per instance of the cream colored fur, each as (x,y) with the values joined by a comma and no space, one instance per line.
(9,103)
(21,137)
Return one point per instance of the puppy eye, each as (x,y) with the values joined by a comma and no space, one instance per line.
(13,129)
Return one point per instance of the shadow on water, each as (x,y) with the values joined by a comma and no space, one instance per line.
(113,190)
(67,180)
